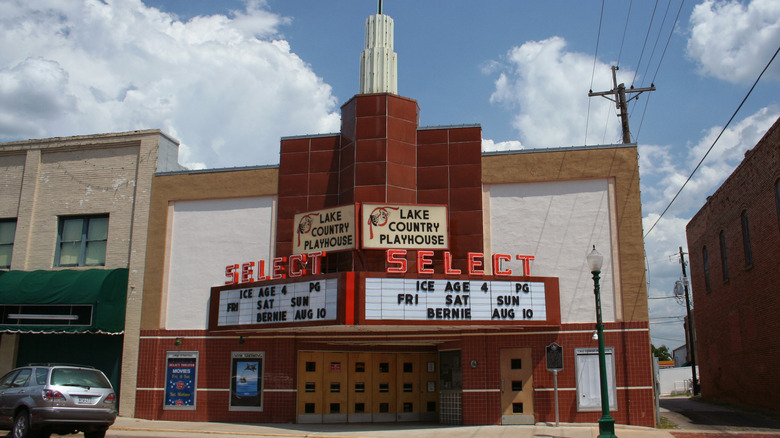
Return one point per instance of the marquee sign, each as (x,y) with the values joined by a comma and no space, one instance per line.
(404,226)
(279,303)
(418,299)
(332,229)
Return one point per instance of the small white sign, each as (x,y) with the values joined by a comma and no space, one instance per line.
(332,229)
(404,226)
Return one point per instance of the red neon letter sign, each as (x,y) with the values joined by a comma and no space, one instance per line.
(232,274)
(474,263)
(423,260)
(297,265)
(277,268)
(448,269)
(396,257)
(526,265)
(497,258)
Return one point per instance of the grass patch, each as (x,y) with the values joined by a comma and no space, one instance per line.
(666,424)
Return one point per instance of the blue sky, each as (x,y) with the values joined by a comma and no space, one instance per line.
(228,78)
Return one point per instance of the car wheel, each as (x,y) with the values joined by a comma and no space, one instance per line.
(21,427)
(95,434)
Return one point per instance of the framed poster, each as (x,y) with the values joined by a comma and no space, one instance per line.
(589,379)
(181,370)
(246,381)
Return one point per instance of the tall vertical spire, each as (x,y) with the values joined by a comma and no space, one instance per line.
(378,62)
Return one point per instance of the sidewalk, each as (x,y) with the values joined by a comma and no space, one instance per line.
(132,427)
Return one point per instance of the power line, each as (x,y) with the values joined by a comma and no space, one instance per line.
(667,339)
(625,29)
(593,71)
(650,60)
(655,45)
(660,61)
(652,17)
(671,32)
(713,143)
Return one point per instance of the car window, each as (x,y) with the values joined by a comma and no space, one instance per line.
(79,377)
(40,375)
(6,380)
(22,378)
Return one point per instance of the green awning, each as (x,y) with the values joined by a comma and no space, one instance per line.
(68,301)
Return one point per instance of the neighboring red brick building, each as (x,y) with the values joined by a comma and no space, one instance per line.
(734,245)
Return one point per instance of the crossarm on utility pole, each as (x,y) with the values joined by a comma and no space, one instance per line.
(619,91)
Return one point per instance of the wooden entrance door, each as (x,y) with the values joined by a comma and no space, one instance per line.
(517,388)
(310,387)
(358,387)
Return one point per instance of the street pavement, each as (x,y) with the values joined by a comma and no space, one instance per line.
(694,415)
(693,418)
(126,427)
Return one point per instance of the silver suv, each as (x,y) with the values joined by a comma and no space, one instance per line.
(40,399)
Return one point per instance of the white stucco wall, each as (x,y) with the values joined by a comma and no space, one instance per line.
(675,380)
(206,236)
(558,223)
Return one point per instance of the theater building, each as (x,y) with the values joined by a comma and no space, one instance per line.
(392,272)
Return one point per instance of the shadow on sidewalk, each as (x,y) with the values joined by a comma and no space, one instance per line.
(694,413)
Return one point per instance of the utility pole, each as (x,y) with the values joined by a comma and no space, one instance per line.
(619,91)
(689,333)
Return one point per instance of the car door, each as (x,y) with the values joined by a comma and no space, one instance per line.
(6,410)
(18,389)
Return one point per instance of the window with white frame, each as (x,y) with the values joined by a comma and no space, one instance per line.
(81,241)
(589,379)
(7,232)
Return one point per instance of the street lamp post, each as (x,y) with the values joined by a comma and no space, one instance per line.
(606,422)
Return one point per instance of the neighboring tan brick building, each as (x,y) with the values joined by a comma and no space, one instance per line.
(73,220)
(734,246)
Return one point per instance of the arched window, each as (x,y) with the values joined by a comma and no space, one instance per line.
(724,262)
(746,240)
(706,260)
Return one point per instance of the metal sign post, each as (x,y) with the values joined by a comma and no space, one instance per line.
(555,364)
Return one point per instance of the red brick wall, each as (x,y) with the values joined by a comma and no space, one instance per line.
(736,321)
(480,406)
(381,156)
(635,404)
(308,180)
(449,172)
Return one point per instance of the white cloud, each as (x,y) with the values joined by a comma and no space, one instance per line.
(733,41)
(223,85)
(489,145)
(547,87)
(662,175)
(668,175)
